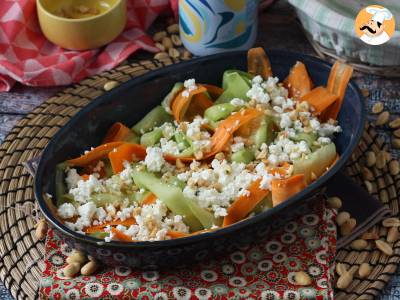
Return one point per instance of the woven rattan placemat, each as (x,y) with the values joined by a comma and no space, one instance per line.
(21,255)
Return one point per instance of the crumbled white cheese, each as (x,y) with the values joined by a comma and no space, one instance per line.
(190,85)
(285,150)
(328,129)
(72,178)
(324,140)
(238,102)
(153,223)
(66,211)
(154,160)
(169,146)
(85,189)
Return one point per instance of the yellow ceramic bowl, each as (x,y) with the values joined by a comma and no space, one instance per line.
(81,24)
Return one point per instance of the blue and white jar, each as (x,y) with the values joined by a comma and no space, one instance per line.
(214,26)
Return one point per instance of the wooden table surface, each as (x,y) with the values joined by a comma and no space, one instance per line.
(278,28)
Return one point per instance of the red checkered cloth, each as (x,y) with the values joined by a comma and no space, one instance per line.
(264,271)
(28,57)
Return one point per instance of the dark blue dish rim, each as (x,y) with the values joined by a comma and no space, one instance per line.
(209,235)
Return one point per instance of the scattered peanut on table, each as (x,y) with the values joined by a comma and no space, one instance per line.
(342,217)
(334,202)
(108,86)
(384,247)
(41,229)
(382,118)
(359,244)
(302,278)
(364,270)
(377,107)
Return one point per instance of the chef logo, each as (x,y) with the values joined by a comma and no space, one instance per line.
(375,25)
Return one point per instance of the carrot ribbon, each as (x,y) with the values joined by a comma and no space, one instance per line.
(338,80)
(298,81)
(258,63)
(244,204)
(94,154)
(117,133)
(282,189)
(125,152)
(319,98)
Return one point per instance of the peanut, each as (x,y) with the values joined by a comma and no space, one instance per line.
(41,229)
(382,118)
(371,158)
(377,108)
(334,202)
(89,268)
(395,123)
(76,257)
(364,270)
(167,43)
(173,53)
(161,55)
(384,247)
(173,28)
(160,46)
(344,280)
(176,40)
(359,244)
(392,235)
(391,222)
(370,235)
(159,36)
(342,217)
(348,226)
(341,269)
(108,86)
(71,269)
(369,186)
(302,278)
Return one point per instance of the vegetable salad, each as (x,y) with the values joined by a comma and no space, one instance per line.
(206,157)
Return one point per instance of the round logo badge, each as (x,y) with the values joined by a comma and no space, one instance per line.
(375,25)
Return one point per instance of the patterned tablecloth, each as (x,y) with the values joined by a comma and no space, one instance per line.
(281,24)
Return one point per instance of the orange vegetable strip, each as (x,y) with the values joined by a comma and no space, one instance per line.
(224,132)
(298,81)
(283,189)
(244,204)
(117,132)
(96,228)
(121,236)
(94,155)
(150,199)
(213,90)
(338,80)
(85,177)
(320,98)
(125,152)
(177,234)
(181,103)
(258,63)
(198,105)
(281,170)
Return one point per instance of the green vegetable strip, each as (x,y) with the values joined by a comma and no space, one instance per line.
(151,138)
(61,188)
(166,103)
(235,85)
(156,117)
(243,156)
(265,133)
(171,195)
(220,111)
(206,218)
(104,199)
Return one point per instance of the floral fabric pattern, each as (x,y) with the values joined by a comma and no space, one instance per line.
(263,271)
